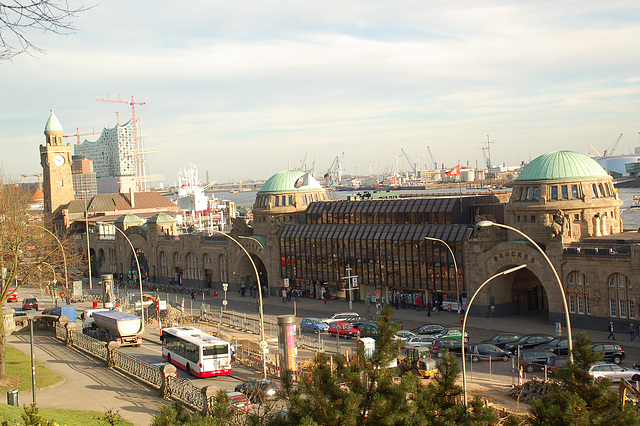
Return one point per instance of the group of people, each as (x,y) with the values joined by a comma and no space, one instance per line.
(414,301)
(632,331)
(288,293)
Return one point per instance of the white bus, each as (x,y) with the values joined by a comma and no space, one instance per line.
(196,352)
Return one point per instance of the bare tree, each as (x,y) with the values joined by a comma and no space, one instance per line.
(18,17)
(29,253)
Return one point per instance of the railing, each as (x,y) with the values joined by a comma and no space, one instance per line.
(137,368)
(88,344)
(185,391)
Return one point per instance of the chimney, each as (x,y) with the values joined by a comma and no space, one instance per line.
(132,198)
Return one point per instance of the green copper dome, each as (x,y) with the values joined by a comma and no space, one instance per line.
(289,181)
(562,165)
(53,125)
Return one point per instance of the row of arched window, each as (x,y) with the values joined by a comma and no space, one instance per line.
(193,269)
(621,301)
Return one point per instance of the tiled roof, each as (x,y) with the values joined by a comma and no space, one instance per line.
(119,204)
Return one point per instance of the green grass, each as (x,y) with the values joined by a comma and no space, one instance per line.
(19,373)
(13,416)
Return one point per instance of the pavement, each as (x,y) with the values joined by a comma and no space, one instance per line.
(90,386)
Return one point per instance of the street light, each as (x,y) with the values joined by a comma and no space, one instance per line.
(455,265)
(64,256)
(464,323)
(488,223)
(263,342)
(139,274)
(86,225)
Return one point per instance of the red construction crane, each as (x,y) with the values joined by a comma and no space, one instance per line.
(78,134)
(133,122)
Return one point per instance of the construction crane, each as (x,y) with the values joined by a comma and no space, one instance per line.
(415,165)
(612,148)
(139,161)
(595,150)
(433,160)
(486,152)
(39,176)
(334,174)
(78,134)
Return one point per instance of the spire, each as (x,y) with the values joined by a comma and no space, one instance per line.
(53,125)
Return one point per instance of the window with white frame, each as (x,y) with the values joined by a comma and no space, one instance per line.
(632,309)
(164,271)
(620,293)
(192,266)
(572,304)
(623,308)
(587,303)
(223,268)
(581,305)
(612,308)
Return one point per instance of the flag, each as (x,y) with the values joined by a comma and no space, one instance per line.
(302,181)
(454,172)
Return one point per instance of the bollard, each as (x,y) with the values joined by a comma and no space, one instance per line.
(168,372)
(209,393)
(71,329)
(112,347)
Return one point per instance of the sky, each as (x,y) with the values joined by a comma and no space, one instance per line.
(247,89)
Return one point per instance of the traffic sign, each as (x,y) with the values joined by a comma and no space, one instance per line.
(224,302)
(225,286)
(264,344)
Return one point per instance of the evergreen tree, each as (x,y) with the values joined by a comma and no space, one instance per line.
(578,398)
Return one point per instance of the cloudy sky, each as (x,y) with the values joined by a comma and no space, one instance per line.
(245,89)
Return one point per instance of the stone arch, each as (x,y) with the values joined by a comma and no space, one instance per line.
(241,267)
(531,288)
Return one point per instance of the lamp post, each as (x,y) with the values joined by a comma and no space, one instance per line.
(263,342)
(488,223)
(86,225)
(64,256)
(455,265)
(225,287)
(139,273)
(464,323)
(351,287)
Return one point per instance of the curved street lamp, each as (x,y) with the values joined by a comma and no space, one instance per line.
(64,256)
(488,223)
(455,265)
(464,323)
(255,270)
(139,274)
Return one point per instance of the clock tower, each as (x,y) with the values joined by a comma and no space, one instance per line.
(55,158)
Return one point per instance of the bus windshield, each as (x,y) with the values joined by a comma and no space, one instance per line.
(215,350)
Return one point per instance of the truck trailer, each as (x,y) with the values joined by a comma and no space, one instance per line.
(126,329)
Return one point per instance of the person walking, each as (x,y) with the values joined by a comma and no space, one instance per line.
(193,295)
(632,332)
(611,336)
(418,304)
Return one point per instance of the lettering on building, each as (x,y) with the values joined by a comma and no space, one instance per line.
(514,254)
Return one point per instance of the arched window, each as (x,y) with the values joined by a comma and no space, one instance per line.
(579,299)
(621,299)
(164,271)
(192,266)
(224,275)
(206,259)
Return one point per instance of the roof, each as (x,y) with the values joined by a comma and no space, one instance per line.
(129,218)
(161,218)
(105,203)
(53,125)
(560,166)
(37,195)
(290,181)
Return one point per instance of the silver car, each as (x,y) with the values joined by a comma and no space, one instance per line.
(420,341)
(613,372)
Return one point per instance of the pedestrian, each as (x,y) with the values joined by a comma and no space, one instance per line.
(429,307)
(418,304)
(632,332)
(611,336)
(193,295)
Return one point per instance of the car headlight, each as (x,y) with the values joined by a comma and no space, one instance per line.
(271,392)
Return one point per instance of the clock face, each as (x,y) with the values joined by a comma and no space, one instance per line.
(58,160)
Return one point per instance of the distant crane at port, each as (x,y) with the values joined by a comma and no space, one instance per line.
(78,134)
(433,160)
(140,172)
(39,176)
(486,152)
(415,165)
(334,174)
(612,148)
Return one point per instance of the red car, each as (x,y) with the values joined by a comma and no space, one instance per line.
(239,402)
(343,329)
(13,296)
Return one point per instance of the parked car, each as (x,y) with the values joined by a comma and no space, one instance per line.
(613,352)
(30,303)
(13,295)
(454,346)
(613,372)
(343,329)
(258,390)
(340,317)
(239,402)
(485,351)
(500,340)
(356,321)
(420,341)
(313,325)
(528,341)
(429,329)
(404,335)
(555,363)
(534,360)
(369,329)
(559,346)
(453,333)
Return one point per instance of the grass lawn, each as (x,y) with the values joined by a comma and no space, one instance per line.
(19,373)
(13,416)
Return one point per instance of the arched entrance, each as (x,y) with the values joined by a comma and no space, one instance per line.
(247,274)
(132,272)
(518,293)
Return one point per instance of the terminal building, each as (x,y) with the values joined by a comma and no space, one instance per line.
(388,246)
